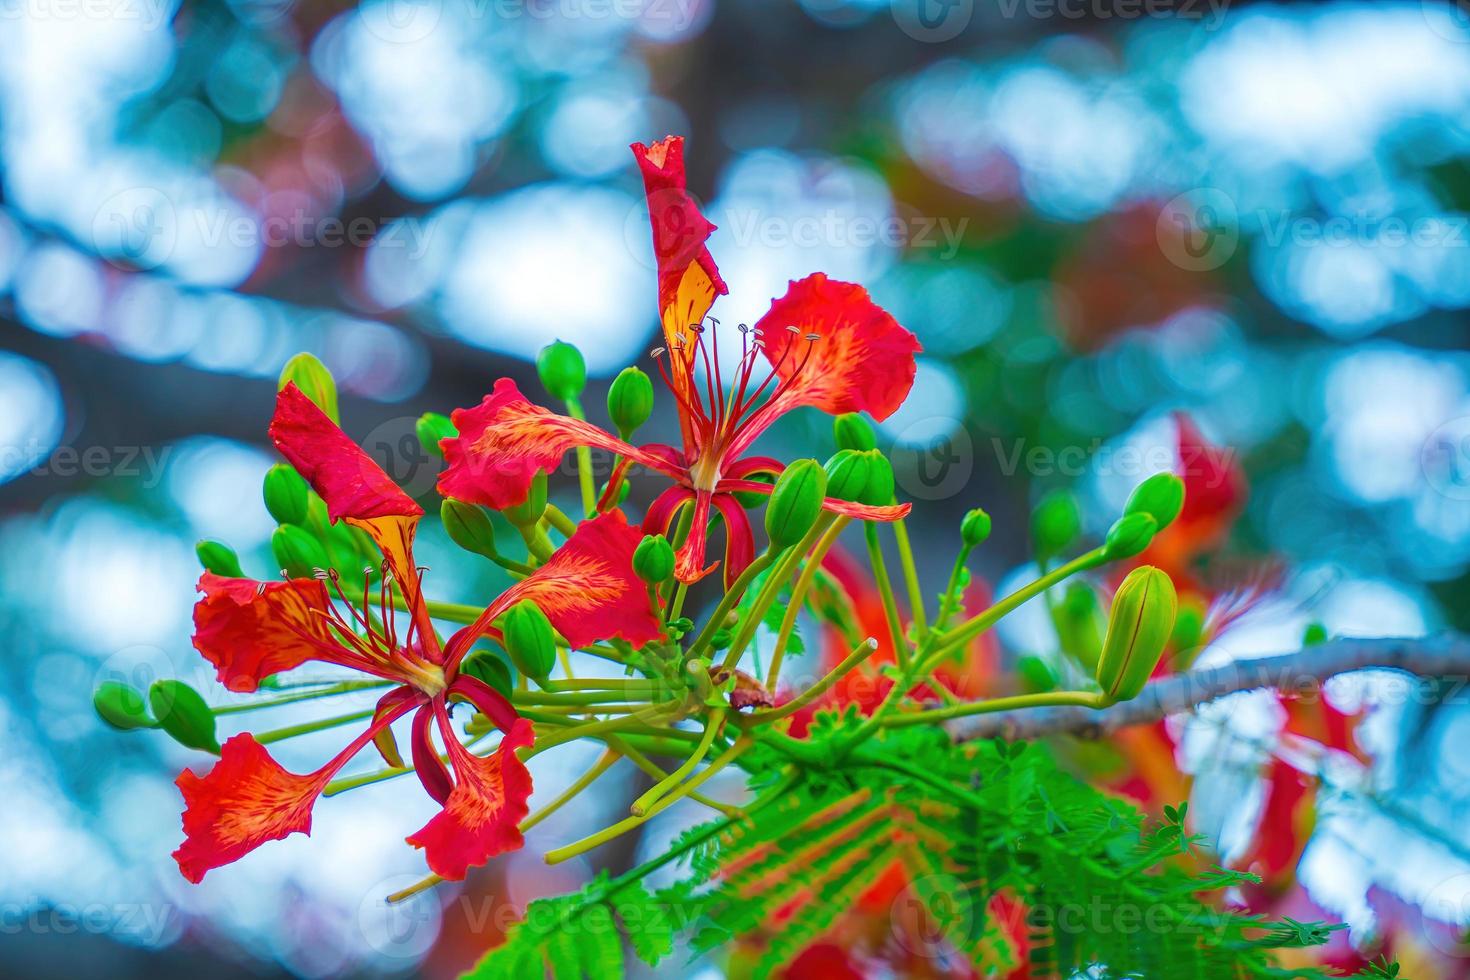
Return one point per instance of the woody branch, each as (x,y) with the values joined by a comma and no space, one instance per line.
(1444,656)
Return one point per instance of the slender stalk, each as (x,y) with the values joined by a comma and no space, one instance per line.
(559,520)
(306,728)
(537,543)
(584,462)
(798,594)
(857,656)
(591,728)
(712,728)
(623,826)
(911,578)
(1082,699)
(583,781)
(885,591)
(772,588)
(951,593)
(728,602)
(624,748)
(345,687)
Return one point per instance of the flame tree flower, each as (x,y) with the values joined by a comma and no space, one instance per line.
(249,630)
(827,345)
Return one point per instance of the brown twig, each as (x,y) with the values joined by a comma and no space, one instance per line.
(1445,656)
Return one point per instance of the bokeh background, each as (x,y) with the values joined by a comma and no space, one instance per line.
(1092,212)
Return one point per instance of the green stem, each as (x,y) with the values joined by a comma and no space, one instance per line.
(951,593)
(584,462)
(585,780)
(1085,699)
(911,578)
(537,543)
(772,588)
(712,728)
(559,520)
(728,601)
(307,727)
(885,591)
(344,687)
(625,748)
(798,594)
(857,656)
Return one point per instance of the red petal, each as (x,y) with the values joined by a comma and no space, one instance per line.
(244,801)
(661,511)
(862,361)
(587,589)
(426,762)
(1214,484)
(739,542)
(505,441)
(481,816)
(689,563)
(250,630)
(863,512)
(352,485)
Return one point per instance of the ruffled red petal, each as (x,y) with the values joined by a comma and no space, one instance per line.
(482,814)
(250,630)
(739,541)
(587,589)
(244,801)
(863,512)
(861,361)
(505,441)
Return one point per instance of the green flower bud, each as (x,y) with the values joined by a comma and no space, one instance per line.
(121,706)
(562,370)
(848,473)
(183,714)
(219,558)
(879,492)
(297,552)
(1314,635)
(852,431)
(1080,624)
(1129,535)
(1139,625)
(486,666)
(975,528)
(529,639)
(1055,524)
(1189,625)
(1161,497)
(431,428)
(795,502)
(1036,675)
(653,559)
(469,527)
(630,401)
(750,499)
(285,494)
(529,511)
(315,382)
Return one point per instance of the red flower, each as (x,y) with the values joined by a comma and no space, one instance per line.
(828,345)
(249,630)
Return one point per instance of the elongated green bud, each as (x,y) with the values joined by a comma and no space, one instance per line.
(1055,524)
(219,558)
(297,552)
(469,527)
(285,494)
(315,382)
(1139,625)
(431,428)
(121,706)
(485,665)
(653,559)
(1161,497)
(852,431)
(1080,624)
(848,473)
(630,401)
(795,502)
(563,371)
(183,714)
(975,528)
(529,511)
(529,639)
(879,492)
(1129,535)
